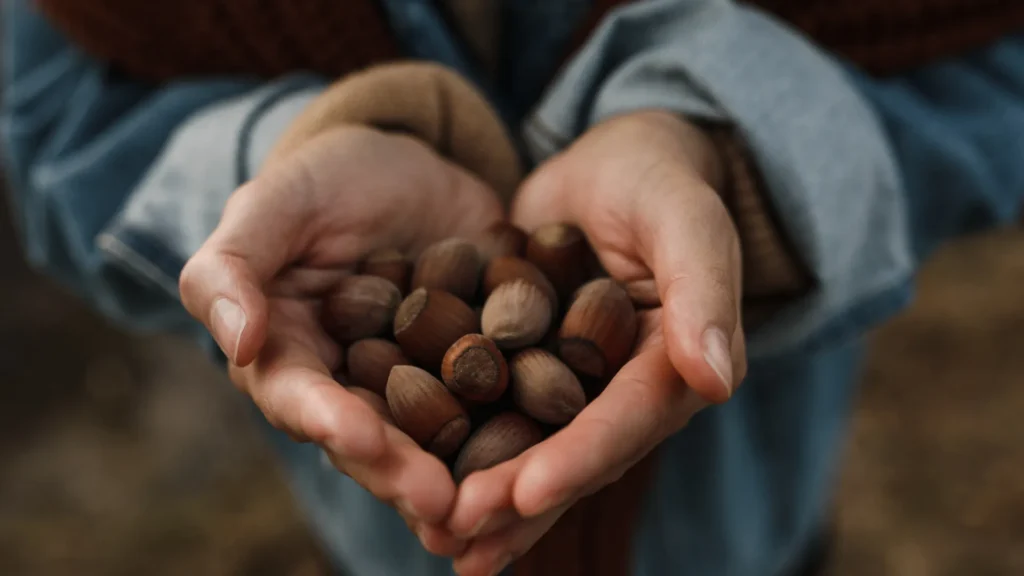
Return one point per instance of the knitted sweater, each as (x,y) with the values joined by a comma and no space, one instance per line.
(160,40)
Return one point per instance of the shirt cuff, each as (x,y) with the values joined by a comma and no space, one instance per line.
(180,201)
(823,159)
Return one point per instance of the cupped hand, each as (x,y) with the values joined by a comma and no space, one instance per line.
(643,189)
(287,236)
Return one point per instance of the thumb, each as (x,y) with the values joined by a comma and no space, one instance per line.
(260,232)
(690,244)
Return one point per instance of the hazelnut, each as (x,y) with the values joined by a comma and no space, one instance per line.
(500,439)
(360,307)
(370,361)
(452,265)
(516,315)
(561,252)
(389,264)
(426,411)
(474,369)
(501,239)
(545,388)
(375,401)
(505,269)
(428,322)
(644,294)
(599,330)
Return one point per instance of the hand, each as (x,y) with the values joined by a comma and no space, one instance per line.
(642,187)
(291,233)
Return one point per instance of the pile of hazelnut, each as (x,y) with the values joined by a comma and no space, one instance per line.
(480,348)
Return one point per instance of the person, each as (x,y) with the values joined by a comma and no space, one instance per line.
(780,194)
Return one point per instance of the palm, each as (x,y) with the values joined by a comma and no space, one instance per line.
(642,189)
(284,239)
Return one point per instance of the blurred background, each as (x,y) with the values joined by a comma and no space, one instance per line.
(124,455)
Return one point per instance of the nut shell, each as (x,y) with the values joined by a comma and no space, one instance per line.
(599,330)
(389,264)
(501,239)
(452,265)
(360,307)
(474,369)
(516,315)
(504,269)
(545,388)
(375,401)
(370,361)
(426,411)
(428,322)
(562,253)
(500,439)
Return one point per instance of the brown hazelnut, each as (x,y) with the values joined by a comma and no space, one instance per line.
(562,253)
(375,401)
(516,315)
(501,239)
(452,265)
(360,307)
(426,411)
(545,388)
(474,369)
(370,361)
(599,330)
(428,322)
(500,439)
(389,264)
(644,294)
(505,269)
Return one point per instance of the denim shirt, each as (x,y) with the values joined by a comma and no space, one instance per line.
(116,183)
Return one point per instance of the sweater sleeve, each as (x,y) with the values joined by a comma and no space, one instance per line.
(823,180)
(114,183)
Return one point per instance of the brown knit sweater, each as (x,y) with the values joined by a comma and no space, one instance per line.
(161,39)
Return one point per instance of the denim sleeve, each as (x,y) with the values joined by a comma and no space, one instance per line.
(828,168)
(114,182)
(957,130)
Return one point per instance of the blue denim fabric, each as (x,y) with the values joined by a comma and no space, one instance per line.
(115,183)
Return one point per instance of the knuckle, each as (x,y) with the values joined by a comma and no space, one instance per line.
(191,280)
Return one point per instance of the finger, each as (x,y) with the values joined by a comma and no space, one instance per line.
(294,390)
(262,229)
(686,235)
(484,502)
(642,405)
(489,555)
(437,540)
(414,481)
(293,387)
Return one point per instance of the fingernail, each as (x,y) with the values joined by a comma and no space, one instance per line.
(228,324)
(717,354)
